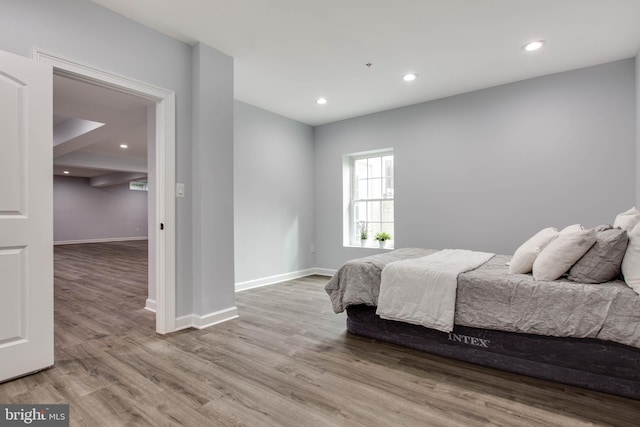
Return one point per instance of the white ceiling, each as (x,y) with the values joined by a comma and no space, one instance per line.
(98,152)
(290,52)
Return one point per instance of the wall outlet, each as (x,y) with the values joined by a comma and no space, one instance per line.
(313,248)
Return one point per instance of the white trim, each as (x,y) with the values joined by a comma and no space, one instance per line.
(150,305)
(165,170)
(105,240)
(201,322)
(351,238)
(324,271)
(97,76)
(265,281)
(279,278)
(184,322)
(166,214)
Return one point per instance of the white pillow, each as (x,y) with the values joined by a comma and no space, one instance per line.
(627,220)
(572,228)
(559,255)
(525,255)
(631,260)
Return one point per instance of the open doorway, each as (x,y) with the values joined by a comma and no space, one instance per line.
(158,107)
(103,144)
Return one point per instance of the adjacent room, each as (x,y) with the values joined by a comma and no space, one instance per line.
(101,207)
(321,213)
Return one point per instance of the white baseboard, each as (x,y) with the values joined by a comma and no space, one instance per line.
(184,322)
(150,305)
(251,284)
(324,272)
(106,240)
(201,322)
(211,319)
(271,280)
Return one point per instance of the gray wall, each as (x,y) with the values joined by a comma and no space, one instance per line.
(81,212)
(487,169)
(274,187)
(213,279)
(86,32)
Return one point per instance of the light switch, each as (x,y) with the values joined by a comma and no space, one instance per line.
(179,189)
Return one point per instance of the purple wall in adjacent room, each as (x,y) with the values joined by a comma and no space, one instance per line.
(81,212)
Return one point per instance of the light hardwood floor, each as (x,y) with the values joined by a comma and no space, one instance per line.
(287,361)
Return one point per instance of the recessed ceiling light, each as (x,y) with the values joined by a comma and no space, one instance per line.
(409,77)
(124,146)
(66,172)
(321,101)
(534,45)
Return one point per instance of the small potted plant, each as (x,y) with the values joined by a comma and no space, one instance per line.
(382,238)
(364,233)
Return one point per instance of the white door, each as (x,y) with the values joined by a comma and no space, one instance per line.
(26,216)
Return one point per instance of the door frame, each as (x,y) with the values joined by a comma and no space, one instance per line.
(165,170)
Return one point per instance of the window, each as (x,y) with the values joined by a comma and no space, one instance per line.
(370,196)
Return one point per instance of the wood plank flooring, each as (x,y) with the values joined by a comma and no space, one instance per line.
(287,361)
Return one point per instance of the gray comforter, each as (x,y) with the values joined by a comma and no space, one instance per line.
(489,298)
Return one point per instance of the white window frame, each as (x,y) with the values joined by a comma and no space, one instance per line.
(349,190)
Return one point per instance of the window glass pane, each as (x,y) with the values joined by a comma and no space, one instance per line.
(387,211)
(361,189)
(374,214)
(387,188)
(375,188)
(372,179)
(360,225)
(387,166)
(361,169)
(375,167)
(374,228)
(388,227)
(360,211)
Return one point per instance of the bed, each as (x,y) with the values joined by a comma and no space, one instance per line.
(578,334)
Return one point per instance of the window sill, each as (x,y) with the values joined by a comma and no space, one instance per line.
(389,246)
